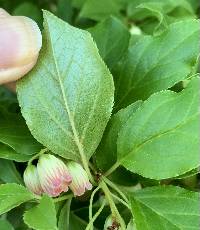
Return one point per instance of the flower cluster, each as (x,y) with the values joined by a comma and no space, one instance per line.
(52,176)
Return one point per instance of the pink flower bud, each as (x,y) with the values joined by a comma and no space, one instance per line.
(53,175)
(31,180)
(80,181)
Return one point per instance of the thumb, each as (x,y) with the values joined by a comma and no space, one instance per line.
(20,43)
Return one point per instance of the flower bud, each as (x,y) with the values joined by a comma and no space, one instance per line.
(20,43)
(80,181)
(31,180)
(53,175)
(111,224)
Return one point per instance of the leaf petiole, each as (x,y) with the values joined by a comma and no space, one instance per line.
(91,203)
(113,207)
(96,215)
(120,200)
(112,169)
(114,186)
(42,151)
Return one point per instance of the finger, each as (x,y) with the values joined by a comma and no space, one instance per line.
(20,43)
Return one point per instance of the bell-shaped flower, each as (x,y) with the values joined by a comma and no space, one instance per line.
(53,174)
(31,180)
(80,181)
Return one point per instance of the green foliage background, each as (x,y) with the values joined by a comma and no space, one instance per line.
(143,131)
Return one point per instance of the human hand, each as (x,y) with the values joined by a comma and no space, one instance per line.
(20,43)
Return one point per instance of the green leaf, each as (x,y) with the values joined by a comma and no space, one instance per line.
(161,140)
(69,221)
(112,38)
(9,173)
(157,63)
(155,10)
(67,99)
(189,174)
(99,10)
(10,154)
(106,154)
(78,3)
(136,9)
(7,100)
(5,95)
(64,217)
(76,223)
(15,134)
(195,4)
(166,207)
(15,216)
(42,216)
(5,225)
(159,14)
(12,195)
(65,10)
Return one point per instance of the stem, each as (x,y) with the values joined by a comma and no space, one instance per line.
(92,167)
(120,200)
(112,169)
(65,197)
(113,207)
(68,213)
(114,186)
(91,202)
(90,224)
(87,169)
(42,151)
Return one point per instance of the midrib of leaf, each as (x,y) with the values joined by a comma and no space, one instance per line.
(91,113)
(157,136)
(51,116)
(49,113)
(71,120)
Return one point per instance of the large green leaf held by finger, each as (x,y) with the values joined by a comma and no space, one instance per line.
(166,207)
(157,62)
(67,99)
(161,140)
